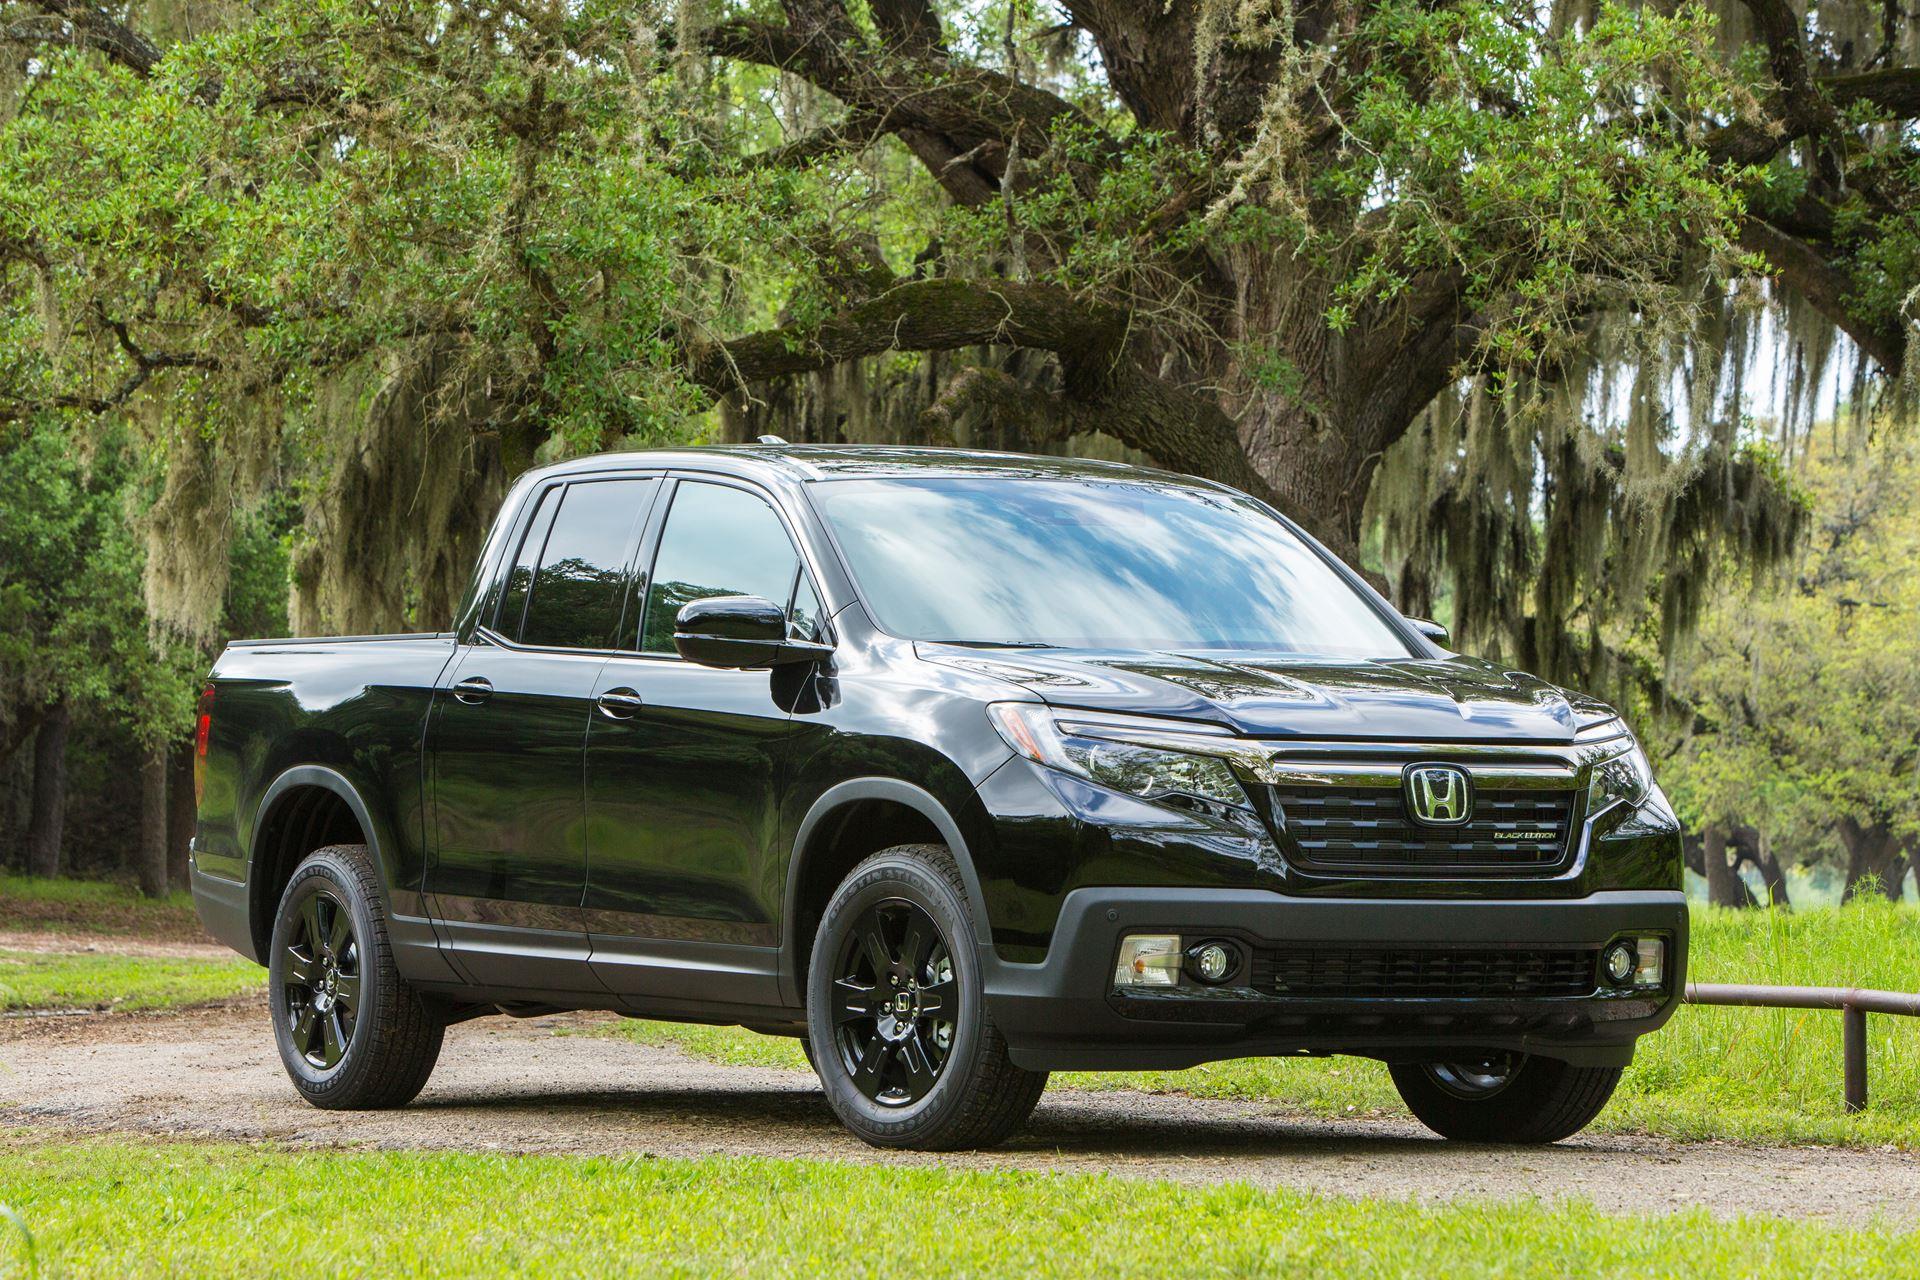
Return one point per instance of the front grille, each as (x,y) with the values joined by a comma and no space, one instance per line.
(1353,972)
(1367,829)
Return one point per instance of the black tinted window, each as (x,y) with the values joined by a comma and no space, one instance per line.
(803,621)
(718,541)
(578,590)
(513,600)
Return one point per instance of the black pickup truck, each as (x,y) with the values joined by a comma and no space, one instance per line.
(962,767)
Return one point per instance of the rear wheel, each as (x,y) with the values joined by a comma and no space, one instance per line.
(352,1034)
(896,1019)
(1504,1097)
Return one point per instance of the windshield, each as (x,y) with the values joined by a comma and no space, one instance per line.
(1092,564)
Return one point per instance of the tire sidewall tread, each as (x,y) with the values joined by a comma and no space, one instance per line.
(1546,1101)
(981,1096)
(396,1036)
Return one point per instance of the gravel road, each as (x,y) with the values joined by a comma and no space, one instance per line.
(526,1087)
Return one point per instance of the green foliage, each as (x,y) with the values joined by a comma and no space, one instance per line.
(1483,142)
(240,1211)
(71,624)
(1803,697)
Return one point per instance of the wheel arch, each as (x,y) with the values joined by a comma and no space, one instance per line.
(884,812)
(306,807)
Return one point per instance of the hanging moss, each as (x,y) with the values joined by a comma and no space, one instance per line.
(1561,515)
(409,490)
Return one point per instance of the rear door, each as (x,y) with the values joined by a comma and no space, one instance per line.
(508,735)
(685,765)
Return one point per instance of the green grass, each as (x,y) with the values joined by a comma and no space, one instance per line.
(1747,1074)
(94,906)
(39,980)
(119,1208)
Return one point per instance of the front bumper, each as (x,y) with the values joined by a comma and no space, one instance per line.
(1064,1013)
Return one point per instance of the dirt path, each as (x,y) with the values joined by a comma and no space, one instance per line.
(55,942)
(524,1086)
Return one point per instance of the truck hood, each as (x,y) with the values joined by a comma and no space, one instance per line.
(1449,699)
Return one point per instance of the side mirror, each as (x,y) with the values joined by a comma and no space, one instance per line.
(741,632)
(1430,629)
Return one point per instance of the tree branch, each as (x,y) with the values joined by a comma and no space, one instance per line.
(955,117)
(1896,91)
(921,315)
(1104,388)
(90,26)
(1802,268)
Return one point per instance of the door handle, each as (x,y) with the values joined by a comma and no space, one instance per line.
(620,704)
(474,690)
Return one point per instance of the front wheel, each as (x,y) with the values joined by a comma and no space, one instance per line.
(353,1035)
(1504,1097)
(896,1020)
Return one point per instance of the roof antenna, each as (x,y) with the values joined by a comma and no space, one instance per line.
(769,440)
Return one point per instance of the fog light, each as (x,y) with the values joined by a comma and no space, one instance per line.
(1213,962)
(1620,962)
(1651,971)
(1148,960)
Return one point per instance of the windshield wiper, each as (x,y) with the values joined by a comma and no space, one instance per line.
(996,644)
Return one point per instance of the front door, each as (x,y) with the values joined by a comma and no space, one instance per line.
(684,768)
(507,742)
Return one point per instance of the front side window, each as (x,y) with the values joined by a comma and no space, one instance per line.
(513,599)
(579,585)
(718,541)
(1093,564)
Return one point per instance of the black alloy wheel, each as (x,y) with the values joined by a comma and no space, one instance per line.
(321,989)
(895,999)
(898,1026)
(1472,1080)
(351,1031)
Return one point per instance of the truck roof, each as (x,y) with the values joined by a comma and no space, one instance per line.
(809,462)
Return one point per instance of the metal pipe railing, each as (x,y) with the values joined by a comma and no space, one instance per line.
(1853,1003)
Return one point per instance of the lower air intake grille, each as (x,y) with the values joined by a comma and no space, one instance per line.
(1341,972)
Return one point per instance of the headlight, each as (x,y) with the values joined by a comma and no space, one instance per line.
(1139,756)
(1623,777)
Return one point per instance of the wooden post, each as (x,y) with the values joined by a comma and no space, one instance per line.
(1853,1036)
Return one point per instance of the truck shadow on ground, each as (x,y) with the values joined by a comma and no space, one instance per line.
(1081,1123)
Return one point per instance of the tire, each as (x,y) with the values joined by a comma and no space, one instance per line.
(922,1087)
(362,1039)
(1510,1098)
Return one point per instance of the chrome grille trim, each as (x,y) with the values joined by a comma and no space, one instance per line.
(1340,810)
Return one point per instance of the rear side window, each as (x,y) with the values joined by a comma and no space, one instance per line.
(578,578)
(718,541)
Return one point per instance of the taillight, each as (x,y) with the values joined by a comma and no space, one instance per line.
(201,732)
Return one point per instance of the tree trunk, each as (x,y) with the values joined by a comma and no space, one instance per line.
(47,821)
(1319,473)
(1751,845)
(1776,878)
(1724,886)
(1873,858)
(180,811)
(151,858)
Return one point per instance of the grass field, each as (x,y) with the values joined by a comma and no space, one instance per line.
(95,906)
(39,980)
(118,1208)
(1749,1074)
